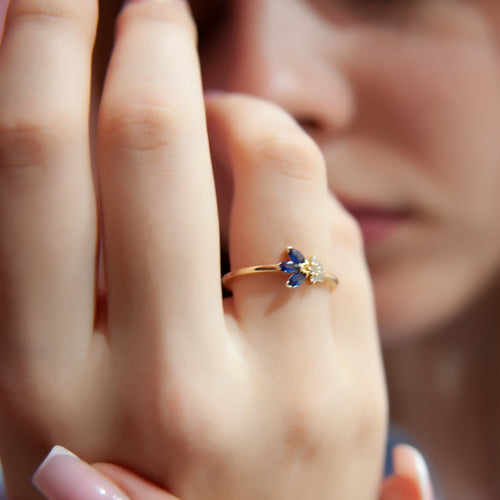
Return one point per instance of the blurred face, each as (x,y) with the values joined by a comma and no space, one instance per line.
(403,97)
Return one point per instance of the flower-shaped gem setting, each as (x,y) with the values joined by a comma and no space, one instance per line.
(301,269)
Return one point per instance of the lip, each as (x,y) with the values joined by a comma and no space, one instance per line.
(377,224)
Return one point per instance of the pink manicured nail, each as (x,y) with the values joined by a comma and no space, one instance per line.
(409,462)
(63,476)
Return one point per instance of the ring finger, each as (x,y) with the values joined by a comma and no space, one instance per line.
(280,199)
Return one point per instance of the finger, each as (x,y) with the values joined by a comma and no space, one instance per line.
(63,476)
(47,207)
(280,199)
(136,487)
(409,462)
(158,200)
(400,487)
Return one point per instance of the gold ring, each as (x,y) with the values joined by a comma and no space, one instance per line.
(299,268)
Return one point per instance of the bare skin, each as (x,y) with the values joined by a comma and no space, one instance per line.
(157,372)
(63,476)
(408,123)
(438,89)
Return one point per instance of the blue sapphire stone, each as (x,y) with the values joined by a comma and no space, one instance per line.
(295,280)
(295,255)
(289,267)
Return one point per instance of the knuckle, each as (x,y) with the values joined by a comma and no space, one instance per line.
(308,418)
(17,387)
(211,439)
(372,418)
(49,13)
(33,8)
(347,231)
(290,152)
(141,125)
(30,137)
(173,16)
(193,420)
(300,432)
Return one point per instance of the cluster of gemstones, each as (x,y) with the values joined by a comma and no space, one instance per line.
(301,269)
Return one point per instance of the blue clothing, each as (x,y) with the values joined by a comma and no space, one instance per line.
(3,496)
(396,436)
(399,436)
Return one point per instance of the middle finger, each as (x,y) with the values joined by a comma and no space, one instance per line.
(161,244)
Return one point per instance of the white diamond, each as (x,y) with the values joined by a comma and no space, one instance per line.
(313,269)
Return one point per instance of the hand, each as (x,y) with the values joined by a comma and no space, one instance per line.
(272,393)
(63,476)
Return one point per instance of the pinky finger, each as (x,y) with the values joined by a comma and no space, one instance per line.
(63,476)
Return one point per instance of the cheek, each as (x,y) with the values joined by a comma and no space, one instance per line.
(439,102)
(455,124)
(456,120)
(443,113)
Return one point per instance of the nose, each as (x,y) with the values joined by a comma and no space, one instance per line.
(283,51)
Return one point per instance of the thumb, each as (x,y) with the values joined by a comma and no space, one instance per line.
(63,476)
(399,487)
(411,477)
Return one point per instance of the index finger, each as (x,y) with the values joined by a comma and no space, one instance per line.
(160,228)
(47,202)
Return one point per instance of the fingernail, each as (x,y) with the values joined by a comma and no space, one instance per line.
(62,475)
(409,462)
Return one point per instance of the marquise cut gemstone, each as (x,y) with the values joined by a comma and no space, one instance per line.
(295,255)
(302,269)
(289,267)
(295,280)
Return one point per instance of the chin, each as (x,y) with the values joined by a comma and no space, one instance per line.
(411,306)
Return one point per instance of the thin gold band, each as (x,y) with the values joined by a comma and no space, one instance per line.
(298,268)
